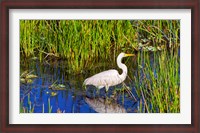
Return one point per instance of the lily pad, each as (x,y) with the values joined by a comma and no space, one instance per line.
(57,87)
(54,93)
(31,76)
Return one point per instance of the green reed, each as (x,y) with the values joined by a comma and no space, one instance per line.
(29,109)
(158,81)
(80,42)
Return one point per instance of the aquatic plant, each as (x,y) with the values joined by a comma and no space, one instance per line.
(82,43)
(158,81)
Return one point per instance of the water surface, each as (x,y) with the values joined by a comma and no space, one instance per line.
(55,90)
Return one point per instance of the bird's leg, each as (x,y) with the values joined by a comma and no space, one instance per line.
(94,93)
(98,92)
(106,100)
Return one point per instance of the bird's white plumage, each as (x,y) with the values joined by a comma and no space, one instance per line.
(103,79)
(110,77)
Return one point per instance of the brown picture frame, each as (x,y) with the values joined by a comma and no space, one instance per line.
(6,5)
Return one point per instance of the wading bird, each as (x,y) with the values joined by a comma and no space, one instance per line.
(110,77)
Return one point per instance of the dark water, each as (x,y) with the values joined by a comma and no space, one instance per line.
(55,90)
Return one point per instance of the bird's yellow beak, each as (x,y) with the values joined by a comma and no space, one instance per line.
(129,55)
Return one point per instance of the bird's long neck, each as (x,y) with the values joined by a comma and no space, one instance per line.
(123,67)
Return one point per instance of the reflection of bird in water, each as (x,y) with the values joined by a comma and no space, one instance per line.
(110,77)
(99,106)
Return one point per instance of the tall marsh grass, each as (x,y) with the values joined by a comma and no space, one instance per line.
(158,81)
(82,43)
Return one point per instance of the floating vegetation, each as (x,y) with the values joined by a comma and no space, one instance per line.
(54,93)
(27,78)
(55,86)
(59,111)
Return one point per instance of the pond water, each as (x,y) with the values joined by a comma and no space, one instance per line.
(54,90)
(49,86)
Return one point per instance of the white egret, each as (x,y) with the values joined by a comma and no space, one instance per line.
(110,77)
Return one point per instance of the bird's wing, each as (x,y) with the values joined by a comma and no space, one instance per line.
(106,78)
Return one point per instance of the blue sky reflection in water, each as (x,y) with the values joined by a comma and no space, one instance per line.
(39,97)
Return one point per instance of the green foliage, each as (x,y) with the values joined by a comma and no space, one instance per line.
(82,43)
(159,79)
